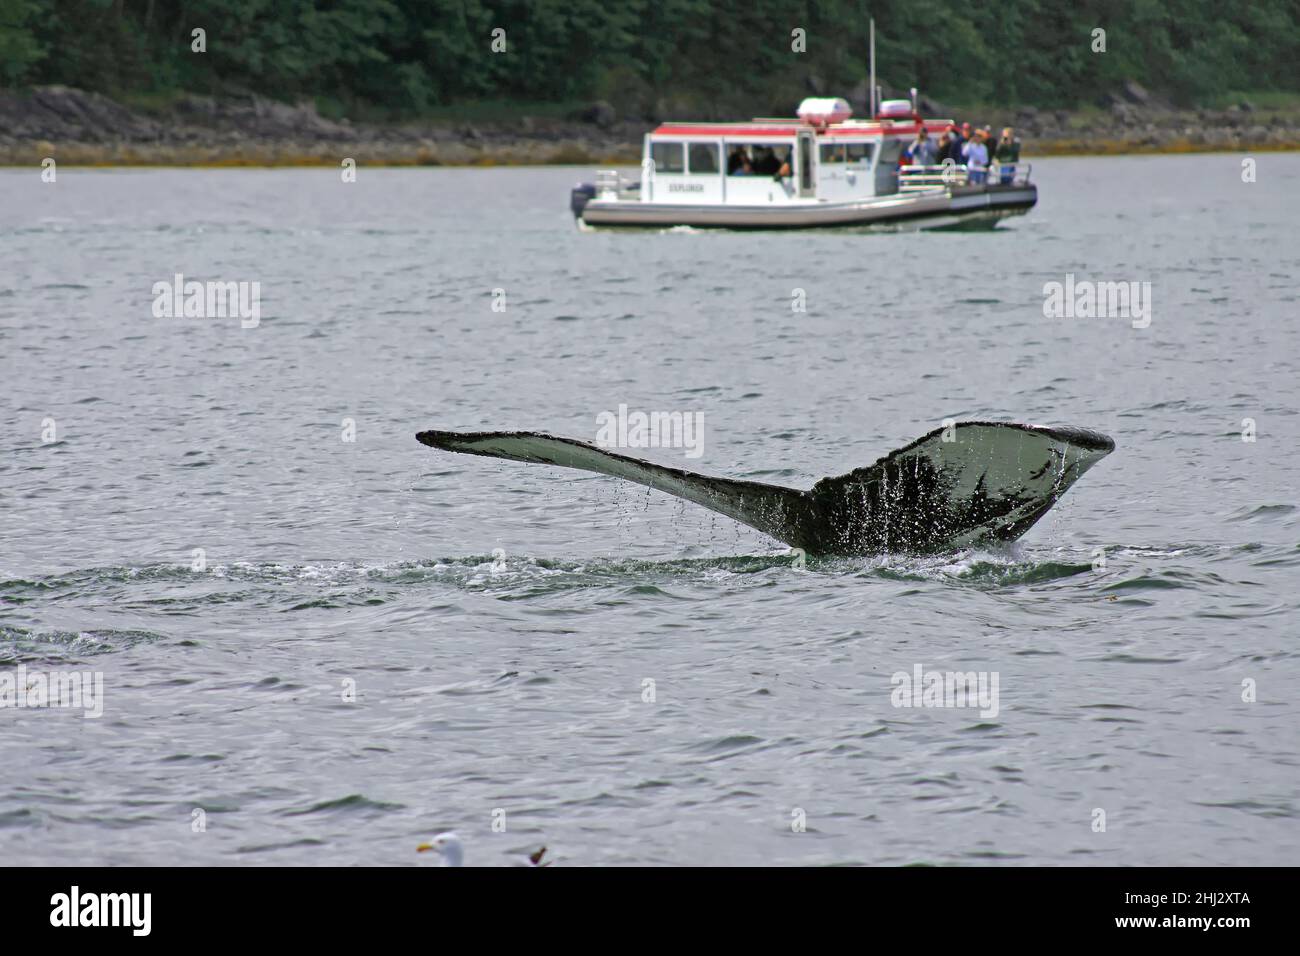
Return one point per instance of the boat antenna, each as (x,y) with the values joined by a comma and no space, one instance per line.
(871,30)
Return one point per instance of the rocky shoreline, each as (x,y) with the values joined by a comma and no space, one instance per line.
(76,127)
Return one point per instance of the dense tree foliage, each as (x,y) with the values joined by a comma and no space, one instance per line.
(390,57)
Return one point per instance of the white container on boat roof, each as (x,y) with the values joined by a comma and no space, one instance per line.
(890,109)
(823,110)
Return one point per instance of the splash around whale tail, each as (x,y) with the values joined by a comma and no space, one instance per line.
(960,486)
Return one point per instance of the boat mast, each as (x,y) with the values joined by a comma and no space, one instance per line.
(871,29)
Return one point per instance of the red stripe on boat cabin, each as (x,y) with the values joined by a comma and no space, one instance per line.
(727,130)
(733,132)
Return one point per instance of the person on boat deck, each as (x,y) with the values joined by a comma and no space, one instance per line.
(945,145)
(923,152)
(977,159)
(1008,154)
(955,143)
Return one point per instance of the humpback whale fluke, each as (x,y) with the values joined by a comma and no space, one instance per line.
(972,483)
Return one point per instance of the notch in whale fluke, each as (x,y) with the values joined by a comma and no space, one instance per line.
(973,483)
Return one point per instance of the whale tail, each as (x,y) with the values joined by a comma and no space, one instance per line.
(970,483)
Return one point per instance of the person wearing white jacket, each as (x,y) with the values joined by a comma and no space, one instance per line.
(976,155)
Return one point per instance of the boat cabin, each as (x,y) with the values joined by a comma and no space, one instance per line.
(822,155)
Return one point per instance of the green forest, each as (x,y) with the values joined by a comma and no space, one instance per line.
(383,59)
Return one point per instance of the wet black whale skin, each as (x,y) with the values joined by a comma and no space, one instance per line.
(907,502)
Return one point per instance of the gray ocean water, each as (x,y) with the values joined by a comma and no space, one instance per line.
(629,679)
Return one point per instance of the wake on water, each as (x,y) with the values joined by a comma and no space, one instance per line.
(1001,566)
(157,604)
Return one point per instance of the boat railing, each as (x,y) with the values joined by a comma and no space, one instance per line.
(945,175)
(610,184)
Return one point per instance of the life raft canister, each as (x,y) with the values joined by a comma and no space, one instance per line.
(895,109)
(824,110)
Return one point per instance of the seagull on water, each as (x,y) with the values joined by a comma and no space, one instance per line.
(449,848)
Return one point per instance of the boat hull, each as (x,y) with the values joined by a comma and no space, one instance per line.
(945,207)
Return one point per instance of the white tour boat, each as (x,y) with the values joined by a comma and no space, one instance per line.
(821,169)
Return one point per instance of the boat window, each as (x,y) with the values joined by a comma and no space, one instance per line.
(833,153)
(704,157)
(668,157)
(758,159)
(859,152)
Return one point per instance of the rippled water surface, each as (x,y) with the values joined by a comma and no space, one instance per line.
(516,680)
